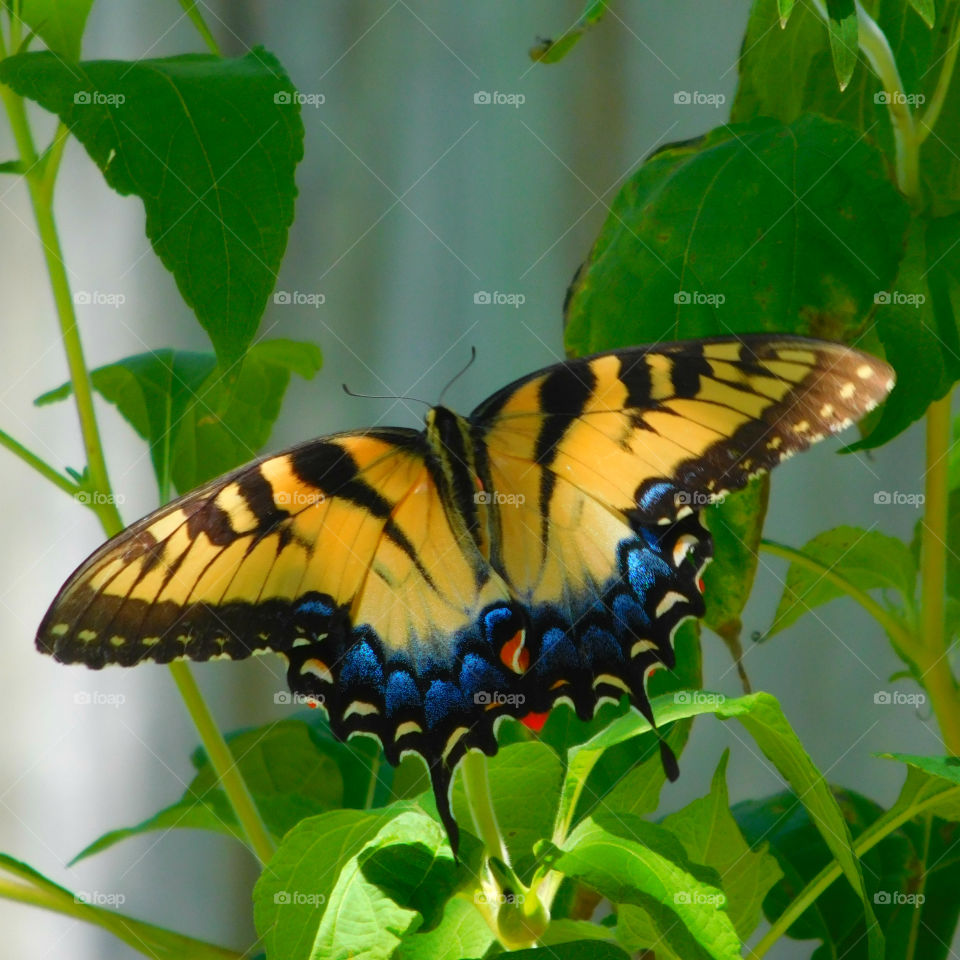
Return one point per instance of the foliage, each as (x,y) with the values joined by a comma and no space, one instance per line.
(814,211)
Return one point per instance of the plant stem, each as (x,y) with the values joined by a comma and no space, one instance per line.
(155,942)
(927,121)
(222,760)
(44,468)
(196,18)
(933,661)
(477,788)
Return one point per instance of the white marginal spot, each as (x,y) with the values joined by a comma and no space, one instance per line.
(865,371)
(117,641)
(59,629)
(774,443)
(318,668)
(826,410)
(301,642)
(361,708)
(150,641)
(408,726)
(848,390)
(87,635)
(668,603)
(452,741)
(802,427)
(220,656)
(611,680)
(641,646)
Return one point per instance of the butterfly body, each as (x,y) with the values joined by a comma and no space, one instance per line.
(423,584)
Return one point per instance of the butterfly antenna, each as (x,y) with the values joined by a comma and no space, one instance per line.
(371,396)
(466,367)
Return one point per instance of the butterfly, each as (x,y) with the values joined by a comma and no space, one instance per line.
(421,585)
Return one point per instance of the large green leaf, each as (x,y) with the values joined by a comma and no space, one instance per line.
(210,145)
(59,23)
(289,776)
(462,934)
(758,226)
(581,950)
(197,422)
(634,862)
(711,836)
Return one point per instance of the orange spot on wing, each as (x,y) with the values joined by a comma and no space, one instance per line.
(514,655)
(535,721)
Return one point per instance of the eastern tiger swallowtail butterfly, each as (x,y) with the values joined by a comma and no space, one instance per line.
(421,585)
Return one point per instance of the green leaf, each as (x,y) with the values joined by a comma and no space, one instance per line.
(516,774)
(762,717)
(199,423)
(710,238)
(582,950)
(710,835)
(59,23)
(210,145)
(844,45)
(231,419)
(564,931)
(634,862)
(927,11)
(736,525)
(865,559)
(553,51)
(937,787)
(462,934)
(784,8)
(288,776)
(335,887)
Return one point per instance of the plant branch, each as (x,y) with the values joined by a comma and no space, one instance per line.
(933,661)
(196,18)
(927,121)
(41,466)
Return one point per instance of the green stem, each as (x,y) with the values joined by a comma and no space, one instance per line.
(223,762)
(877,831)
(41,466)
(927,121)
(897,631)
(190,8)
(933,661)
(155,942)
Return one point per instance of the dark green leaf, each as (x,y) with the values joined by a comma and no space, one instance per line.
(582,950)
(736,525)
(926,9)
(711,837)
(756,227)
(866,559)
(59,23)
(844,45)
(210,146)
(288,776)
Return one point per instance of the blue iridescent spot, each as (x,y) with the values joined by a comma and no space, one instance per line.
(402,693)
(629,616)
(493,619)
(643,568)
(558,655)
(316,607)
(652,497)
(599,646)
(443,698)
(477,675)
(361,665)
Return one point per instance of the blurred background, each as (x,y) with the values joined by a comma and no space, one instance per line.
(413,198)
